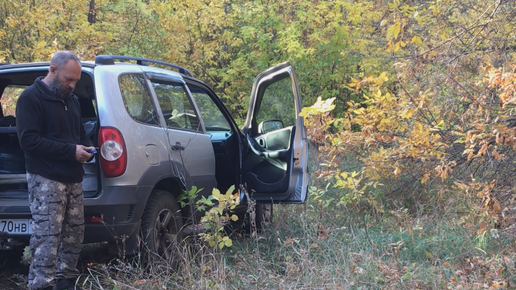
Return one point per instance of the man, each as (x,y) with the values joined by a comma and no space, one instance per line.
(48,121)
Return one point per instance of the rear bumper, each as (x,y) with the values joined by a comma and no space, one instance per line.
(114,214)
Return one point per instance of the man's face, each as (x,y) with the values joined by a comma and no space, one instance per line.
(64,79)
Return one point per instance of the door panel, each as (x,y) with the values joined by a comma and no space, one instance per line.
(223,135)
(276,140)
(274,168)
(190,153)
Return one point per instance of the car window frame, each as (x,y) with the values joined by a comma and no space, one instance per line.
(152,98)
(218,102)
(172,79)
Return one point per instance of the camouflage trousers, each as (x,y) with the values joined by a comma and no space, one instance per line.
(57,230)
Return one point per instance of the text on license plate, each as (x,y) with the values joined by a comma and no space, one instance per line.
(16,226)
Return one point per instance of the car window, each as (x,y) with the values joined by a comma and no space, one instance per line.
(8,99)
(213,118)
(137,99)
(277,103)
(175,105)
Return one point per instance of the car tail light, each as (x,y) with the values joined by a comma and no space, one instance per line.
(112,151)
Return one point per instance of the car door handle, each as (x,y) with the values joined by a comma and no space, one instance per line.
(177,147)
(257,149)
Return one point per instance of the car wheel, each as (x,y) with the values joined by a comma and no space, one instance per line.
(161,228)
(263,218)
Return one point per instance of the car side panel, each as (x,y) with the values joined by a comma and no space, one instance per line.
(149,146)
(189,151)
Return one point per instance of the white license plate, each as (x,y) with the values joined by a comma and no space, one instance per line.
(16,226)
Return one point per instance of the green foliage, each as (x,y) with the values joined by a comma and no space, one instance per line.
(226,43)
(406,79)
(190,196)
(217,213)
(434,128)
(413,113)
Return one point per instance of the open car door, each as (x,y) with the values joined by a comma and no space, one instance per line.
(275,165)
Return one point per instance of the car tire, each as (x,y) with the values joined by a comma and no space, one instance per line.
(161,229)
(263,217)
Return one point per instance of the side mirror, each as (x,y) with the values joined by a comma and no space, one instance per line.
(269,125)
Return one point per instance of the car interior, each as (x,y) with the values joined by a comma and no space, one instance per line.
(11,156)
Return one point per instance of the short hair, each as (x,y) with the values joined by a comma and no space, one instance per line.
(60,58)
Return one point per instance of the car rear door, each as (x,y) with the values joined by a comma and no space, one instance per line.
(191,152)
(275,164)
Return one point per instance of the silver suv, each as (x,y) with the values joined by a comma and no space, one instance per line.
(159,132)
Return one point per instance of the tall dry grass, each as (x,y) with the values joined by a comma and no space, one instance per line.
(335,249)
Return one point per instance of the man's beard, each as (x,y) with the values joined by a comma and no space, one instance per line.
(60,91)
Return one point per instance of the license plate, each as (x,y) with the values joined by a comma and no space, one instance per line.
(16,226)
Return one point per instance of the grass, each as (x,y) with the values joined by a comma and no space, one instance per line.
(309,249)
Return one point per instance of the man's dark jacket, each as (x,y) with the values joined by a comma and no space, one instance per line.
(48,129)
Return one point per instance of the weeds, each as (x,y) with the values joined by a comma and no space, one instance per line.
(336,247)
(307,249)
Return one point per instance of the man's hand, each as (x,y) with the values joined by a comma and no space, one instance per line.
(82,153)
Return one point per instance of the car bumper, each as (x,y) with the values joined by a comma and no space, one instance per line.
(114,214)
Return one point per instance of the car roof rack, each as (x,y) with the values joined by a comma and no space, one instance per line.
(110,59)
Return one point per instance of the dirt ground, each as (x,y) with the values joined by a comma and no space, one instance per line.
(13,276)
